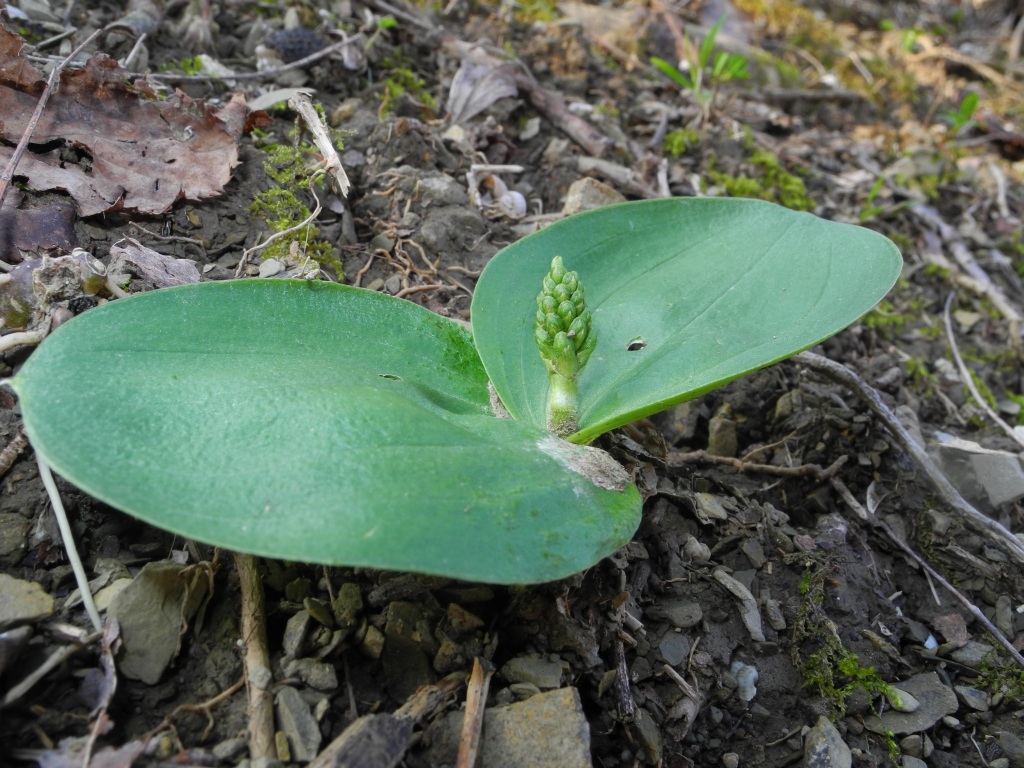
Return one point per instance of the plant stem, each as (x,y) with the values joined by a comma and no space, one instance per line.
(562,405)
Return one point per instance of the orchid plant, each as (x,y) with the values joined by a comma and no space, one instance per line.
(324,423)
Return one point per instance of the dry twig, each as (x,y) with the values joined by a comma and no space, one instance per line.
(949,495)
(968,380)
(473,718)
(256,659)
(880,525)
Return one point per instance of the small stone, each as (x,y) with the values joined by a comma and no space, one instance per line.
(13,538)
(730,760)
(372,645)
(295,633)
(754,552)
(461,621)
(316,674)
(935,699)
(348,604)
(229,750)
(298,724)
(22,602)
(393,284)
(972,698)
(548,730)
(825,748)
(649,735)
(271,267)
(586,194)
(531,669)
(999,762)
(318,610)
(674,648)
(909,761)
(151,611)
(722,435)
(972,653)
(912,745)
(679,613)
(902,701)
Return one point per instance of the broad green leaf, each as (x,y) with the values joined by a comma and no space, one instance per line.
(313,422)
(711,289)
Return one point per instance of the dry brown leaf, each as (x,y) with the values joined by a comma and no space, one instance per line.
(146,153)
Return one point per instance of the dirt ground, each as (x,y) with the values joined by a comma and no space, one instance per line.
(850,111)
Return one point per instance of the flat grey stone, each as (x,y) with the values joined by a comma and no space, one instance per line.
(679,613)
(295,632)
(902,701)
(22,602)
(971,653)
(316,674)
(914,762)
(13,538)
(298,724)
(825,748)
(150,611)
(534,670)
(936,698)
(548,730)
(586,194)
(972,698)
(674,647)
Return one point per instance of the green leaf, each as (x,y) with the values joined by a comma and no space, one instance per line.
(673,74)
(686,295)
(314,422)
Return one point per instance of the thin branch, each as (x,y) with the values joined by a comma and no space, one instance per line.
(965,374)
(931,572)
(949,495)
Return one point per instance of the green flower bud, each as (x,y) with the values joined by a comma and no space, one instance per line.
(566,340)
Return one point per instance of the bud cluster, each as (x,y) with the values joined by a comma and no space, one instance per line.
(563,322)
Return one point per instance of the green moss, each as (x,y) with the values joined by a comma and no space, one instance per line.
(677,142)
(401,80)
(281,209)
(774,184)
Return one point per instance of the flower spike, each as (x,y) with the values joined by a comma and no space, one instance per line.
(566,340)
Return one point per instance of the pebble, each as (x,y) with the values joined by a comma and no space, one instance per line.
(649,734)
(152,611)
(971,653)
(295,632)
(348,604)
(674,648)
(587,194)
(825,748)
(730,760)
(936,700)
(902,701)
(316,674)
(754,552)
(271,267)
(548,730)
(294,44)
(972,698)
(534,670)
(22,602)
(682,614)
(298,724)
(909,761)
(13,538)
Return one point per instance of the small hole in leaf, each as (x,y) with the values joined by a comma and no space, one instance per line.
(635,344)
(391,376)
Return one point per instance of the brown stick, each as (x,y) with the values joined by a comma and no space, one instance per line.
(256,659)
(950,495)
(473,719)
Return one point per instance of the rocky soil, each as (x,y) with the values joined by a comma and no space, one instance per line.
(803,589)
